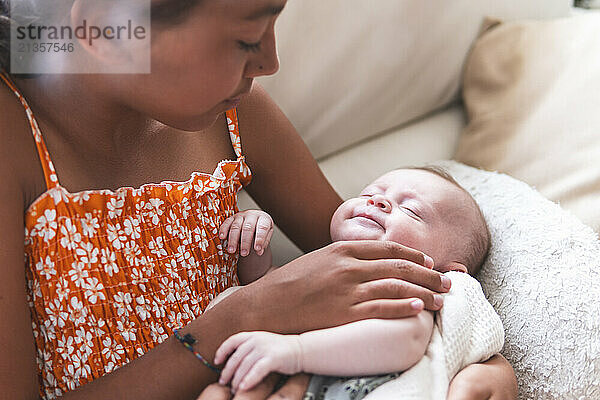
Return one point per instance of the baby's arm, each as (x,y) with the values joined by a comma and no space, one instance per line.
(251,231)
(366,347)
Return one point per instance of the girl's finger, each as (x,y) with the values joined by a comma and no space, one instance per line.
(233,363)
(234,233)
(406,271)
(397,289)
(293,389)
(248,228)
(263,225)
(389,309)
(256,374)
(261,391)
(215,392)
(225,227)
(245,366)
(375,250)
(229,345)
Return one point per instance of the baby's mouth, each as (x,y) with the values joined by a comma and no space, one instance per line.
(367,220)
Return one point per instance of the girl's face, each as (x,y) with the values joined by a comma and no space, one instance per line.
(204,64)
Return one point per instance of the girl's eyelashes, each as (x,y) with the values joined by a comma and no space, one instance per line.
(249,47)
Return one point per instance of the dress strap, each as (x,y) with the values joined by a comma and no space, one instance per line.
(47,166)
(234,131)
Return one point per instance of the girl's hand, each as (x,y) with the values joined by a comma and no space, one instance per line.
(493,380)
(255,355)
(343,282)
(245,227)
(293,389)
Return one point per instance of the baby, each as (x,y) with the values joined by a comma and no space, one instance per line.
(421,208)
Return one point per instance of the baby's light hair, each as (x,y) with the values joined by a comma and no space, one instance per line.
(479,241)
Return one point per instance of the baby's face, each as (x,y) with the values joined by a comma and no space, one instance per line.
(412,207)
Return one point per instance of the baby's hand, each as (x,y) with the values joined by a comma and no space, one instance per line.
(255,355)
(245,226)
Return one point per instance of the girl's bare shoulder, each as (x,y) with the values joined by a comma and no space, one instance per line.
(18,156)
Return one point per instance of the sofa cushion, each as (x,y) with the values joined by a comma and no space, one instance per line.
(541,276)
(351,69)
(532,92)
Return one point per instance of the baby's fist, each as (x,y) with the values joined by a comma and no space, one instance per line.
(250,228)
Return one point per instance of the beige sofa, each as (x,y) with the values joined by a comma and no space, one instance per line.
(376,85)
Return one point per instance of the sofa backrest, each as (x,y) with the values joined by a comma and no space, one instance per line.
(353,69)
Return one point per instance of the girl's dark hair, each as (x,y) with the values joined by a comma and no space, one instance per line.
(171,11)
(4,35)
(162,12)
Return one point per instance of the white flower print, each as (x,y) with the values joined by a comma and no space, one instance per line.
(81,368)
(57,314)
(70,236)
(186,207)
(157,247)
(172,268)
(81,197)
(133,254)
(115,207)
(115,235)
(112,351)
(122,302)
(59,194)
(185,188)
(77,311)
(46,267)
(157,333)
(142,309)
(127,330)
(78,273)
(46,225)
(89,225)
(200,238)
(93,290)
(48,330)
(88,254)
(62,288)
(138,278)
(158,307)
(51,382)
(65,346)
(167,287)
(155,205)
(175,318)
(109,261)
(132,228)
(212,278)
(84,339)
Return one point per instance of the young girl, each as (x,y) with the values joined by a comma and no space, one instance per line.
(111,271)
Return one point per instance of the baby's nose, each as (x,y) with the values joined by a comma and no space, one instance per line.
(381,203)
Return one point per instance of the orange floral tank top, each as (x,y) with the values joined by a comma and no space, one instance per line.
(110,274)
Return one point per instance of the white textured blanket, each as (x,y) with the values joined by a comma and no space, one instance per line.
(467,330)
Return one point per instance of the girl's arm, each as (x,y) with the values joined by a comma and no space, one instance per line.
(368,347)
(493,379)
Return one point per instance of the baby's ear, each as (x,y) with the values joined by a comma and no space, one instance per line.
(452,266)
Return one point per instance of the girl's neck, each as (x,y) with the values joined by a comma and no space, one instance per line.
(77,109)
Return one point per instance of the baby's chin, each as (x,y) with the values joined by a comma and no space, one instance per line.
(353,234)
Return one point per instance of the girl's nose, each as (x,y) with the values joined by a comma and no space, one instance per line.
(380,202)
(265,61)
